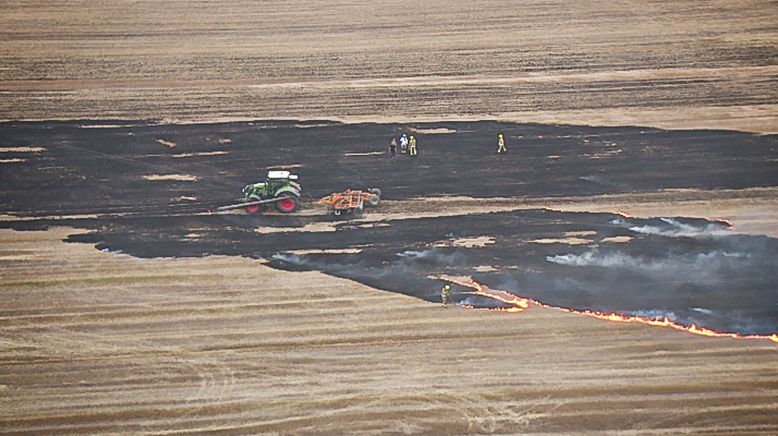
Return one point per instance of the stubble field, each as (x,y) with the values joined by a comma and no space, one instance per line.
(677,64)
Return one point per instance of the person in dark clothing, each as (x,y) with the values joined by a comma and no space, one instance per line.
(393,148)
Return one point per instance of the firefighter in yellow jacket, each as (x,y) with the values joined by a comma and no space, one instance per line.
(444,294)
(501,144)
(412,146)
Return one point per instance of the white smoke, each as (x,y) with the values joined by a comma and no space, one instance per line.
(593,258)
(414,253)
(467,301)
(676,317)
(680,265)
(289,258)
(434,256)
(654,314)
(701,310)
(679,229)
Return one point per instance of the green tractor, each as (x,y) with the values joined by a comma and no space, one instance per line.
(280,188)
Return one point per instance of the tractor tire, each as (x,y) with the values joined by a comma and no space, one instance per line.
(374,200)
(288,204)
(254,208)
(376,191)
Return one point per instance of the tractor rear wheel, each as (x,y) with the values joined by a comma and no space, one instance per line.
(287,204)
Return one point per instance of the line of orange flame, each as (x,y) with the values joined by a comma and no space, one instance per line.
(519,304)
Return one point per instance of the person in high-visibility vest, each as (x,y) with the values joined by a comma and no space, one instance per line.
(501,144)
(412,146)
(444,294)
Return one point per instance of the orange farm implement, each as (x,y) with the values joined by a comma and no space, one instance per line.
(349,201)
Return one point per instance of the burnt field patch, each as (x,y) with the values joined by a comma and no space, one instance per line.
(140,169)
(147,190)
(689,270)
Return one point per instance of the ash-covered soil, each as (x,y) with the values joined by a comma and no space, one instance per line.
(147,190)
(137,169)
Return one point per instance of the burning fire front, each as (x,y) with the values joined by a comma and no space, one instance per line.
(516,303)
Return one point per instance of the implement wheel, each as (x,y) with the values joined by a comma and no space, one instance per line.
(375,196)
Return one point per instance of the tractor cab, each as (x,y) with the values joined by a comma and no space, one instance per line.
(280,179)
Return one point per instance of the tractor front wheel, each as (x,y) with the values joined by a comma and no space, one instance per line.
(254,208)
(287,204)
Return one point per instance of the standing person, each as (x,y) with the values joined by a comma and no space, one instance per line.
(501,144)
(393,148)
(412,146)
(403,143)
(444,294)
